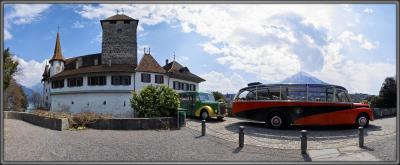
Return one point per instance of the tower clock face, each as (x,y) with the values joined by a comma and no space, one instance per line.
(58,69)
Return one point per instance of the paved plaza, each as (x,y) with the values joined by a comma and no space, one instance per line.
(27,142)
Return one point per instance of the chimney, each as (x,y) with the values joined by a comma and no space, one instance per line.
(166,61)
(78,63)
(109,62)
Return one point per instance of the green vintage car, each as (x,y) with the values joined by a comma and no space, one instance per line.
(202,105)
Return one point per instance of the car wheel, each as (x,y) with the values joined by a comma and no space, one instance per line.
(362,121)
(204,115)
(276,121)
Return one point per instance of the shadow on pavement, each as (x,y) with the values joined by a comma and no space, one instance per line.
(210,120)
(258,129)
(237,150)
(306,157)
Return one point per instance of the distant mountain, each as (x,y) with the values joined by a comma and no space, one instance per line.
(303,78)
(29,90)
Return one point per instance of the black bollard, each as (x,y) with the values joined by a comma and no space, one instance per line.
(360,137)
(303,141)
(241,136)
(203,127)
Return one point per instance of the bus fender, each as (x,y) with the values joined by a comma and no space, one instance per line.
(207,108)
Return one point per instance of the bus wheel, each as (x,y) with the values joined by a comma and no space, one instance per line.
(276,121)
(362,121)
(204,115)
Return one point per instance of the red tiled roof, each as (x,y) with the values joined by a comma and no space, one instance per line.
(149,64)
(176,70)
(95,69)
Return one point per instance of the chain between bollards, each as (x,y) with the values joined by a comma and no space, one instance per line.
(303,141)
(203,127)
(360,137)
(241,136)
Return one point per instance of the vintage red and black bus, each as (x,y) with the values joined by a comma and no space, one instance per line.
(281,105)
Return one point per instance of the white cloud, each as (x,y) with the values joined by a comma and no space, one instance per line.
(368,11)
(22,14)
(270,41)
(7,34)
(348,37)
(30,72)
(182,58)
(216,81)
(78,25)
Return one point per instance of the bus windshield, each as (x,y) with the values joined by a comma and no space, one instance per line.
(206,97)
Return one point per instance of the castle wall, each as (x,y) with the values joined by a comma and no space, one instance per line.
(116,104)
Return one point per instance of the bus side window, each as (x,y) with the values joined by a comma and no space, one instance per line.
(329,94)
(263,93)
(275,93)
(243,95)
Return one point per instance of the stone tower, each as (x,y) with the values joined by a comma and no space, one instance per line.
(119,45)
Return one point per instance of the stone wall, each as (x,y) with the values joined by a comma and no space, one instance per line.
(384,112)
(50,123)
(119,43)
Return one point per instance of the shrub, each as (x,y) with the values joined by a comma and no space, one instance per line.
(81,119)
(155,101)
(52,114)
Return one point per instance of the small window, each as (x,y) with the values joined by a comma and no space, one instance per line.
(72,82)
(72,102)
(186,86)
(121,80)
(57,84)
(97,80)
(119,30)
(175,85)
(113,22)
(159,79)
(127,22)
(146,78)
(104,102)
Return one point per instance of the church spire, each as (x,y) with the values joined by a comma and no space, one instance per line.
(57,50)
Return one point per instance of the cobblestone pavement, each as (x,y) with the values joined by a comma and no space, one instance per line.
(27,142)
(318,137)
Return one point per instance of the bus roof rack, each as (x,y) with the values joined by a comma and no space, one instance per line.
(253,83)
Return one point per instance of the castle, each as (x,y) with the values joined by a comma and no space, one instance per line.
(103,82)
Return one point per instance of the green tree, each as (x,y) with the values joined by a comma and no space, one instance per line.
(155,101)
(388,92)
(219,96)
(9,68)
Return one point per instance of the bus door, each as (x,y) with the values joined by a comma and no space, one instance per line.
(343,104)
(317,109)
(192,103)
(185,103)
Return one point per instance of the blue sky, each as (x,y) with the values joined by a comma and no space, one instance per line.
(228,45)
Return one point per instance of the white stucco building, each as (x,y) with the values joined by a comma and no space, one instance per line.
(103,82)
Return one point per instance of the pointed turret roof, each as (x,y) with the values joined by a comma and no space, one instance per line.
(57,50)
(149,64)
